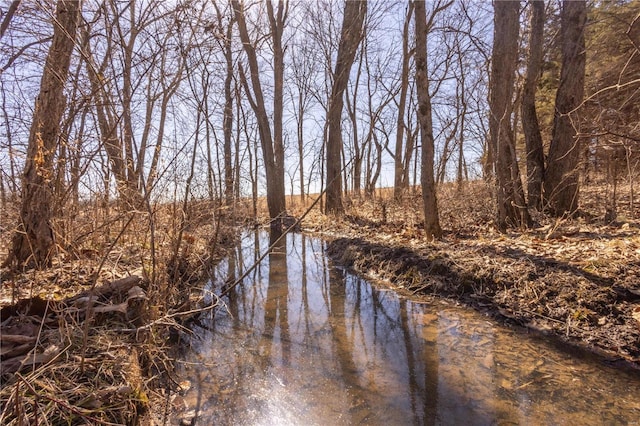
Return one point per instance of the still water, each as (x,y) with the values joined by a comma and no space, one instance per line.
(302,342)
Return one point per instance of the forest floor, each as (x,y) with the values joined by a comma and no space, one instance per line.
(90,339)
(576,280)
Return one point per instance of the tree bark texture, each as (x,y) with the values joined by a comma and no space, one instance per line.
(561,177)
(510,204)
(530,126)
(425,119)
(34,239)
(351,34)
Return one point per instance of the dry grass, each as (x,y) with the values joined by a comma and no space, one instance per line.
(109,389)
(107,367)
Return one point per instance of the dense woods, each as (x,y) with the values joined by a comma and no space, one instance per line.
(140,73)
(151,128)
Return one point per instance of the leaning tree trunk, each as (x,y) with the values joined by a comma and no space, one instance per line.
(431,219)
(352,28)
(561,176)
(510,207)
(530,126)
(34,240)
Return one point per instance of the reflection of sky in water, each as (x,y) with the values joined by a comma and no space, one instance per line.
(301,343)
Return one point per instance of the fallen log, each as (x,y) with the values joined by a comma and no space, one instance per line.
(12,351)
(120,286)
(16,338)
(18,363)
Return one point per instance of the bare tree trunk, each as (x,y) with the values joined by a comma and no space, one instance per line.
(409,153)
(509,200)
(375,125)
(401,167)
(374,172)
(8,16)
(300,134)
(236,167)
(166,97)
(227,121)
(34,240)
(461,161)
(358,152)
(530,126)
(351,34)
(107,125)
(302,63)
(133,196)
(7,125)
(429,200)
(447,148)
(207,134)
(3,194)
(462,108)
(252,150)
(276,24)
(561,177)
(272,143)
(108,122)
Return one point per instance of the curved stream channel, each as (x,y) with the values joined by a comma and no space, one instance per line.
(302,342)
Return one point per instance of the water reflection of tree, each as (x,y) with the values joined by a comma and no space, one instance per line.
(386,343)
(276,317)
(305,310)
(230,280)
(343,345)
(421,356)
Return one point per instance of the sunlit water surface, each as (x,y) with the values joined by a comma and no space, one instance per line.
(302,342)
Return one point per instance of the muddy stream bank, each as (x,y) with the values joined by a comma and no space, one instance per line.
(302,341)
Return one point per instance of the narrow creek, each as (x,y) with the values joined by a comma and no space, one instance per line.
(302,342)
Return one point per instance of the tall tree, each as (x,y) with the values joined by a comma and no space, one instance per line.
(400,182)
(227,121)
(561,177)
(352,101)
(303,69)
(461,109)
(427,181)
(135,56)
(350,36)
(530,125)
(271,142)
(34,239)
(510,207)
